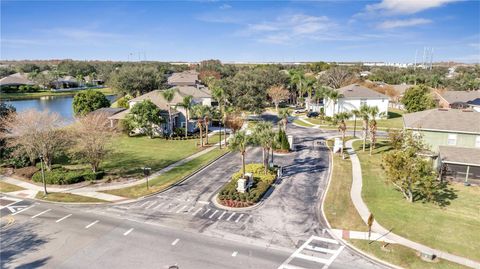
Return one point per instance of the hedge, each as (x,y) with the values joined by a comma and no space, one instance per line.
(62,176)
(229,196)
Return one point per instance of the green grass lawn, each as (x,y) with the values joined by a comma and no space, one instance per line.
(6,187)
(301,123)
(130,154)
(169,178)
(454,228)
(32,95)
(394,120)
(67,198)
(338,206)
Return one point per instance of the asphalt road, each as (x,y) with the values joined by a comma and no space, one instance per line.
(181,225)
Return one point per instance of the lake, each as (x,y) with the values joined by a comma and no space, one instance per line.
(59,104)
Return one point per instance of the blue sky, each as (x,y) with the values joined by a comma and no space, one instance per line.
(383,30)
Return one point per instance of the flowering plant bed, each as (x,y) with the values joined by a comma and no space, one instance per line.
(229,196)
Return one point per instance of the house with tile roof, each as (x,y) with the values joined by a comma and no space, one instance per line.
(453,136)
(352,97)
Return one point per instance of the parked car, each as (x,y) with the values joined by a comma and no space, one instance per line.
(299,110)
(312,114)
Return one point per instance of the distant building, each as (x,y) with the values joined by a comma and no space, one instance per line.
(453,137)
(352,97)
(459,99)
(186,78)
(16,80)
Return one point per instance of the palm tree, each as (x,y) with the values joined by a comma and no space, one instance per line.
(373,127)
(168,95)
(187,105)
(219,94)
(284,114)
(309,88)
(297,80)
(207,116)
(366,112)
(197,112)
(239,142)
(342,127)
(264,135)
(333,96)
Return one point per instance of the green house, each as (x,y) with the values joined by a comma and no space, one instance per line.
(453,136)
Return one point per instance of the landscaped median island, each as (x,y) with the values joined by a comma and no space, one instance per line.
(169,178)
(67,198)
(341,213)
(230,196)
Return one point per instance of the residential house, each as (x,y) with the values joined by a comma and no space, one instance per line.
(15,81)
(186,78)
(201,95)
(453,137)
(66,82)
(400,90)
(352,97)
(459,99)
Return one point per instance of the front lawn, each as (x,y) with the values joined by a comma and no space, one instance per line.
(454,228)
(394,120)
(169,178)
(130,154)
(67,198)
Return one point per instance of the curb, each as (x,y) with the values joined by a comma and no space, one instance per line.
(357,250)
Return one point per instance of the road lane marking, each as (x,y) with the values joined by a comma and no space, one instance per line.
(224,212)
(150,205)
(58,220)
(41,213)
(208,209)
(195,213)
(27,208)
(234,254)
(233,214)
(239,217)
(181,209)
(188,211)
(127,232)
(170,209)
(175,242)
(321,250)
(335,255)
(213,214)
(159,205)
(249,217)
(203,202)
(91,224)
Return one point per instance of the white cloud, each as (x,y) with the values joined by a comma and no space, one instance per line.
(290,28)
(406,6)
(225,6)
(390,24)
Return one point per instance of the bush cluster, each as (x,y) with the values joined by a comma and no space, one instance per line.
(62,176)
(283,141)
(230,197)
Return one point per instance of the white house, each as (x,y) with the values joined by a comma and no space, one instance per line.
(352,97)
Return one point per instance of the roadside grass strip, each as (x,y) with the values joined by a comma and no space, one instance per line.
(169,178)
(7,187)
(67,198)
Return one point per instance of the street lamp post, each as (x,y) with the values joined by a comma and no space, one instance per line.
(43,175)
(146,173)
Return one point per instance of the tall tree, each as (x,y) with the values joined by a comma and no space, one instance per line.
(137,80)
(333,96)
(219,95)
(342,127)
(145,116)
(5,112)
(283,115)
(417,98)
(337,77)
(91,135)
(168,96)
(278,94)
(187,105)
(239,143)
(85,102)
(263,135)
(365,113)
(373,127)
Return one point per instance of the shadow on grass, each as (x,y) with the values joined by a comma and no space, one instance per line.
(19,240)
(393,115)
(441,194)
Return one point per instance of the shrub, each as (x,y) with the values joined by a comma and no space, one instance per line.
(62,176)
(229,196)
(283,140)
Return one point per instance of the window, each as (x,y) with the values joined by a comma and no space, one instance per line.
(477,141)
(182,124)
(452,140)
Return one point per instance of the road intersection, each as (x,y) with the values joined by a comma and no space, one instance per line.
(182,226)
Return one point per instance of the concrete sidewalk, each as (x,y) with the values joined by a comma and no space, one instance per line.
(356,195)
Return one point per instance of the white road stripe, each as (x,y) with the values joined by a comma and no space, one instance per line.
(234,254)
(195,213)
(249,217)
(58,220)
(27,208)
(322,250)
(127,232)
(173,207)
(213,214)
(239,217)
(224,212)
(41,213)
(203,202)
(159,205)
(208,209)
(150,205)
(311,258)
(233,214)
(181,209)
(91,224)
(175,242)
(335,255)
(142,205)
(188,211)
